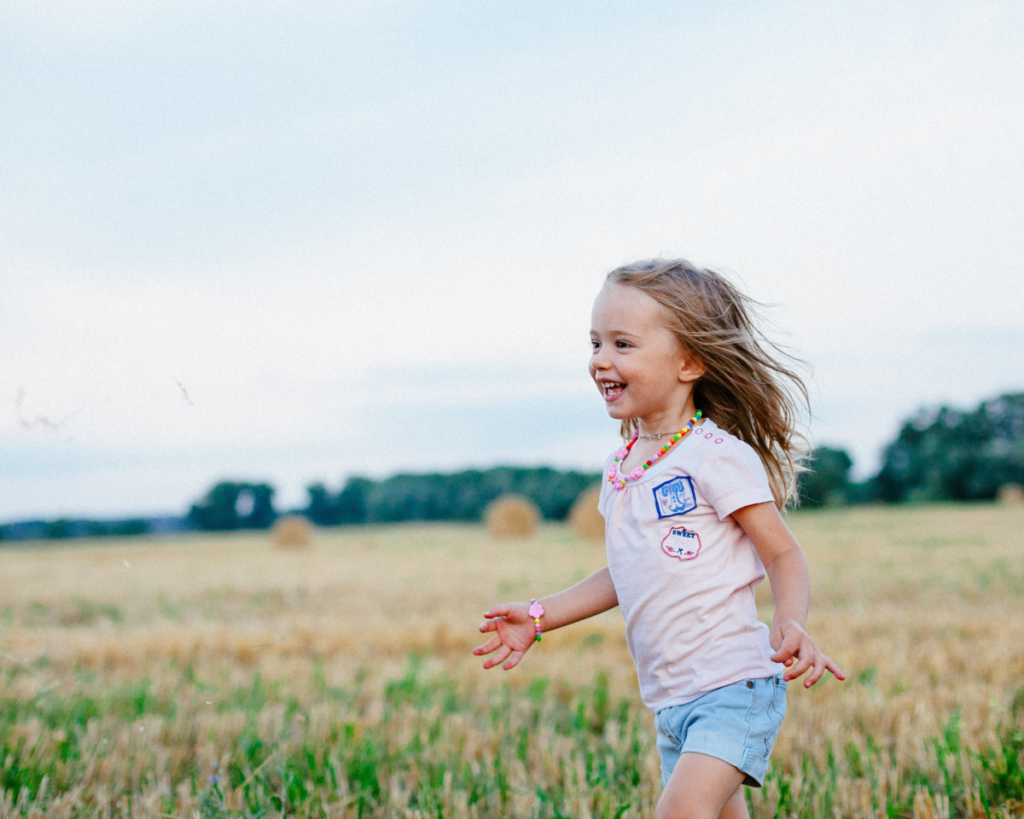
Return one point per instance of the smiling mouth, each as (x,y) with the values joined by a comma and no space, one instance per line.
(612,389)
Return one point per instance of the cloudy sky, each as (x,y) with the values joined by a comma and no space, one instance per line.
(294,241)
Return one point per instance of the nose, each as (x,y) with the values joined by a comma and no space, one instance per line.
(599,360)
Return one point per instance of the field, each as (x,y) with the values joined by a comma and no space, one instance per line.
(216,676)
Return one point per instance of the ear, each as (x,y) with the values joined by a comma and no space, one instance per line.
(691,367)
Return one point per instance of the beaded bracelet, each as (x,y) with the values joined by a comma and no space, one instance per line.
(536,611)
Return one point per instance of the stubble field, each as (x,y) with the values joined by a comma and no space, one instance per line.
(216,676)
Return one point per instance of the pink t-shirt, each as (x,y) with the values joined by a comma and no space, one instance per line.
(685,571)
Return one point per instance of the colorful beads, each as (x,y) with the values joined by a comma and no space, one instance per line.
(536,611)
(615,477)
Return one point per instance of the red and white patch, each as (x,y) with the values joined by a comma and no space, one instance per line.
(682,543)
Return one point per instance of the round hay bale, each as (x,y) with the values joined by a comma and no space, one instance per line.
(512,516)
(1011,494)
(291,532)
(584,518)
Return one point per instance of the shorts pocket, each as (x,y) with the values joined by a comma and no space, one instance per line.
(776,711)
(663,724)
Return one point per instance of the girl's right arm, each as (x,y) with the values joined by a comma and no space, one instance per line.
(514,631)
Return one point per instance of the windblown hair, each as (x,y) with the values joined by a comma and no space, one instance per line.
(749,386)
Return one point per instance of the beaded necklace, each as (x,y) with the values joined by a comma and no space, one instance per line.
(615,477)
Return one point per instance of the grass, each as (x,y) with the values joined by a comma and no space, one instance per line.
(216,676)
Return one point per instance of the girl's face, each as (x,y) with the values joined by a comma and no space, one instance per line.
(638,364)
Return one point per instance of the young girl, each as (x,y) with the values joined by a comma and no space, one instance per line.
(691,507)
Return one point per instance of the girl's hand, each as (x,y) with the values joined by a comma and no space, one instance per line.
(514,634)
(796,650)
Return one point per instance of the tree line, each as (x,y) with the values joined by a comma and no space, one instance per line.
(942,454)
(460,496)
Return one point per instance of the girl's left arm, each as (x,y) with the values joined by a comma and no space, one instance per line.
(786,567)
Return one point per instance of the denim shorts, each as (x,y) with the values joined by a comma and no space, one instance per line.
(736,723)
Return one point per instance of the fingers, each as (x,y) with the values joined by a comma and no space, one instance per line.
(500,657)
(799,654)
(804,656)
(817,670)
(489,646)
(798,669)
(501,610)
(489,625)
(790,646)
(832,666)
(796,653)
(823,663)
(513,661)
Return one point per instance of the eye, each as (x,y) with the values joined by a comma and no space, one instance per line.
(595,345)
(622,344)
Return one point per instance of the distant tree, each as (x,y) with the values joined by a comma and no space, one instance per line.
(26,530)
(67,528)
(130,527)
(262,515)
(459,496)
(115,528)
(218,511)
(231,505)
(827,480)
(951,454)
(59,529)
(321,508)
(350,505)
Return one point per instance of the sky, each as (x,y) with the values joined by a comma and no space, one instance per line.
(298,241)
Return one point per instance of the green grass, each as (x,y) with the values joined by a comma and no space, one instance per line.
(994,776)
(418,732)
(221,677)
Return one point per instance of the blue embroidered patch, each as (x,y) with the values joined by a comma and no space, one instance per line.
(675,497)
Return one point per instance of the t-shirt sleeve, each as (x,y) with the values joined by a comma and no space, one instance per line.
(732,478)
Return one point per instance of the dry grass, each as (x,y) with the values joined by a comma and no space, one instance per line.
(1012,494)
(511,516)
(584,518)
(291,532)
(923,607)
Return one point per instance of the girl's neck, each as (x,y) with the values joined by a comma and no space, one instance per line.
(667,421)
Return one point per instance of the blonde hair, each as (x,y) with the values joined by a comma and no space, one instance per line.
(749,386)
